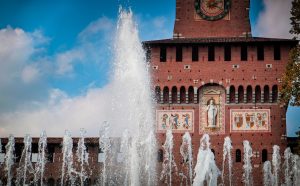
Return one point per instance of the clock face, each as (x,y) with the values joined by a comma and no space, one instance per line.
(212,10)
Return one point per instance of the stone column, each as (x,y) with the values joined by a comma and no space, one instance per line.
(178,97)
(245,97)
(227,95)
(271,97)
(195,95)
(161,97)
(186,96)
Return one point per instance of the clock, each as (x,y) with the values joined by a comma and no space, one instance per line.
(212,10)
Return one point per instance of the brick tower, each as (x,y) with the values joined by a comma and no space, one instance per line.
(214,78)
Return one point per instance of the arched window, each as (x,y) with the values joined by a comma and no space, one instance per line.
(198,95)
(182,95)
(249,94)
(264,155)
(160,155)
(174,95)
(51,182)
(157,94)
(232,94)
(241,94)
(87,182)
(166,95)
(213,151)
(238,155)
(257,94)
(191,94)
(274,93)
(266,94)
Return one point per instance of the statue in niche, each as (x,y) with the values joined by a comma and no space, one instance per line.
(212,112)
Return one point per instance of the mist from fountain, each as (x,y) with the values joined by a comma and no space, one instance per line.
(227,147)
(67,165)
(247,174)
(168,163)
(187,155)
(41,160)
(276,160)
(82,156)
(206,168)
(25,165)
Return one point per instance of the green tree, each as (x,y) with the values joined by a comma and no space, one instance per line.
(290,89)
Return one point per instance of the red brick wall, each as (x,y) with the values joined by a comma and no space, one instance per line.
(219,71)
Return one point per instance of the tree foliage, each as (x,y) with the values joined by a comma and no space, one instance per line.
(295,17)
(290,89)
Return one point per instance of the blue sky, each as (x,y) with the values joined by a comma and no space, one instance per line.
(69,45)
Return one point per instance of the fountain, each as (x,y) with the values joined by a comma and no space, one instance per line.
(206,168)
(9,158)
(227,147)
(41,161)
(187,155)
(296,170)
(276,164)
(125,146)
(82,157)
(67,165)
(247,175)
(25,165)
(287,167)
(169,163)
(268,176)
(133,101)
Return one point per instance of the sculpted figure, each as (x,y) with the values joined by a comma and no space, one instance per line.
(212,112)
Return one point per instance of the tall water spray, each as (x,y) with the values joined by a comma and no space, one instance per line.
(296,170)
(9,158)
(187,155)
(82,156)
(25,165)
(104,145)
(125,147)
(41,160)
(132,99)
(247,174)
(268,176)
(168,163)
(67,165)
(206,168)
(227,147)
(276,160)
(287,167)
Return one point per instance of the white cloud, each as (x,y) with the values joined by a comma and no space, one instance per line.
(30,73)
(60,113)
(66,60)
(20,66)
(103,24)
(274,21)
